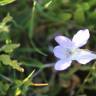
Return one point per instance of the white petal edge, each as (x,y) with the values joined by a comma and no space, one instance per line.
(62,64)
(85,57)
(64,41)
(59,52)
(81,38)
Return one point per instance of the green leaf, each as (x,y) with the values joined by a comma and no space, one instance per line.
(92,16)
(34,63)
(18,92)
(32,20)
(5,59)
(3,25)
(65,16)
(27,79)
(7,19)
(4,2)
(79,15)
(9,48)
(85,6)
(47,4)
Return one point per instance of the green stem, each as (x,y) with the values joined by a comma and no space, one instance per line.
(85,80)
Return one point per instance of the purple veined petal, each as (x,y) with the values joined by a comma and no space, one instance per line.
(62,64)
(81,38)
(64,41)
(84,57)
(61,53)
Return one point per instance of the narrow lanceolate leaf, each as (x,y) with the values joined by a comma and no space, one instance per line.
(4,2)
(9,48)
(28,77)
(28,81)
(5,59)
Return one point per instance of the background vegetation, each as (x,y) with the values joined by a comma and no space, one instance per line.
(27,31)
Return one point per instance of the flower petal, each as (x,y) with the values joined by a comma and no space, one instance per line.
(84,57)
(64,41)
(81,37)
(62,64)
(61,53)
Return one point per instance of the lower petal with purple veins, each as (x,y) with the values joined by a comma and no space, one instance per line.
(84,57)
(63,64)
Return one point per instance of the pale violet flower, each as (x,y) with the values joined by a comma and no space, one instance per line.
(69,50)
